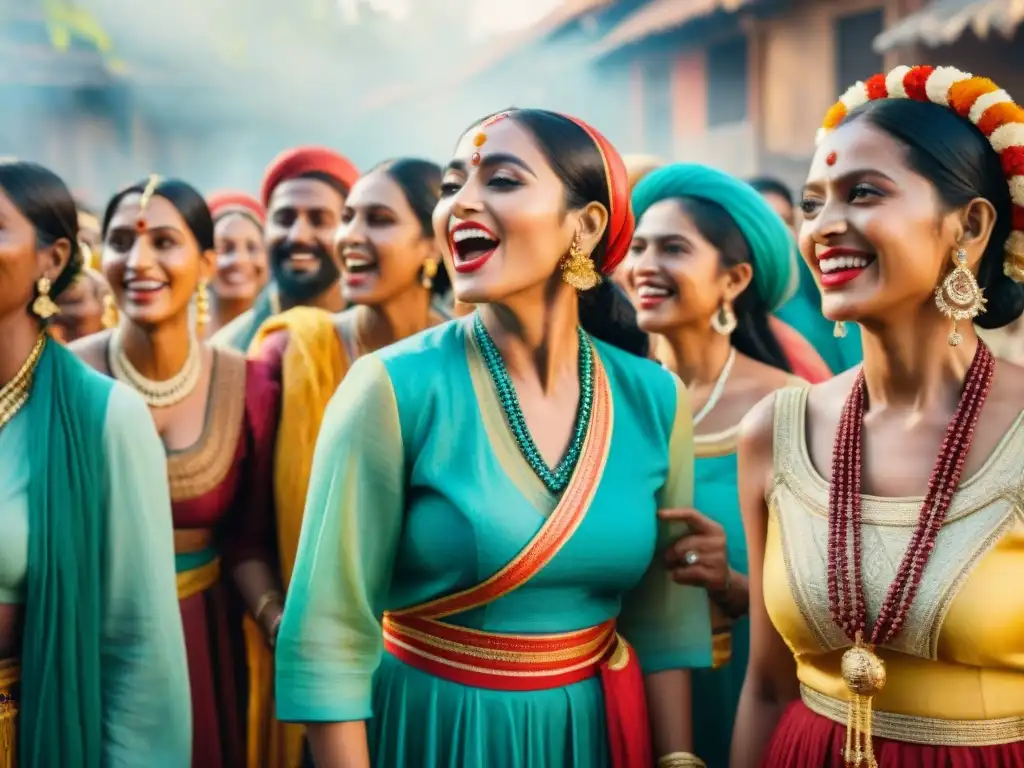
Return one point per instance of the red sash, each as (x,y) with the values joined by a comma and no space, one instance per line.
(503,662)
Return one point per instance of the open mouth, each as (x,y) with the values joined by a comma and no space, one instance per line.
(302,262)
(652,295)
(234,276)
(840,266)
(143,291)
(472,245)
(358,266)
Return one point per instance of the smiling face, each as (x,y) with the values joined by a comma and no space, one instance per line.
(241,258)
(873,231)
(380,241)
(503,221)
(302,219)
(675,274)
(81,309)
(153,274)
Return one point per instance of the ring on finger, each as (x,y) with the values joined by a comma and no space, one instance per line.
(690,557)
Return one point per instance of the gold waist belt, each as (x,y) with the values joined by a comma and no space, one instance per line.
(198,580)
(930,731)
(10,674)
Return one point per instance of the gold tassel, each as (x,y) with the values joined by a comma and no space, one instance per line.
(864,675)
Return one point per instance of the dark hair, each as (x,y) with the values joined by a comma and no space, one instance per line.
(605,311)
(951,153)
(767,185)
(44,199)
(185,199)
(420,182)
(332,181)
(753,335)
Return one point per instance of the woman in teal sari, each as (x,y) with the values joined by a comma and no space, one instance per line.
(483,513)
(710,262)
(92,660)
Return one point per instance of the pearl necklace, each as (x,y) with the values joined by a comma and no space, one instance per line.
(716,393)
(14,394)
(157,394)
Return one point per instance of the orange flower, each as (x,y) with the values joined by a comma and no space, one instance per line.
(1000,114)
(834,116)
(962,95)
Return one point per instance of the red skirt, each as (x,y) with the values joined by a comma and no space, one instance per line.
(804,739)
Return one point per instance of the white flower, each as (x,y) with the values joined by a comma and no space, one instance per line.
(940,81)
(820,136)
(1017,190)
(1008,135)
(894,83)
(856,96)
(987,100)
(1015,244)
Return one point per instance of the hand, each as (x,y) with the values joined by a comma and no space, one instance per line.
(699,558)
(272,623)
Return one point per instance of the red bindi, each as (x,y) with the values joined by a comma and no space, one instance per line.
(140,225)
(831,159)
(475,158)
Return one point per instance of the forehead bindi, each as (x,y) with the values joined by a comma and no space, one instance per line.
(857,146)
(504,136)
(160,212)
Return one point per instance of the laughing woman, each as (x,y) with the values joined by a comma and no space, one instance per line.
(884,509)
(86,591)
(710,262)
(242,271)
(465,563)
(391,273)
(216,416)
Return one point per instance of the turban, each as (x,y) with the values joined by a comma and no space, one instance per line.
(300,161)
(772,249)
(227,201)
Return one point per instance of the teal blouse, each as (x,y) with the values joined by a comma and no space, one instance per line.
(418,490)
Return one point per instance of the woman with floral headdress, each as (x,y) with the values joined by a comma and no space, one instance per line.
(86,587)
(710,262)
(883,632)
(483,513)
(216,414)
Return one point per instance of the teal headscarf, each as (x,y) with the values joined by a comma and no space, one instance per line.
(772,249)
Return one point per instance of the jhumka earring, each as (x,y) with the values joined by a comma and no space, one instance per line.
(578,268)
(724,320)
(839,329)
(429,273)
(959,297)
(109,319)
(202,306)
(44,307)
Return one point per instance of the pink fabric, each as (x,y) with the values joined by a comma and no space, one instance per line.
(803,359)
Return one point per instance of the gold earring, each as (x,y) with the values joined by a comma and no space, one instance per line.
(724,320)
(839,329)
(578,268)
(429,273)
(202,306)
(109,319)
(959,297)
(43,307)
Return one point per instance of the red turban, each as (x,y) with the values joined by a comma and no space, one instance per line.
(299,161)
(620,209)
(228,201)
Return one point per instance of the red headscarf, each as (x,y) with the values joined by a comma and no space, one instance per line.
(620,209)
(229,201)
(293,163)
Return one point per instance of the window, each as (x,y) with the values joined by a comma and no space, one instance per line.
(855,58)
(657,96)
(728,89)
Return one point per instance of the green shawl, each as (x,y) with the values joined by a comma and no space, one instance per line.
(61,721)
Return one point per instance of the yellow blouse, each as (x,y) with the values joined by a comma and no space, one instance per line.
(960,655)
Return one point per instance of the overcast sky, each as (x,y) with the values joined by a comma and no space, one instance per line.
(489,16)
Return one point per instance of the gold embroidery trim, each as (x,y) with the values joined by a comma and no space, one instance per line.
(199,469)
(198,580)
(930,731)
(716,444)
(10,675)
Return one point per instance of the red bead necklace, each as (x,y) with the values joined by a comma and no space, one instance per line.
(863,672)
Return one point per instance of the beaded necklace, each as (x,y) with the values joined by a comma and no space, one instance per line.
(558,478)
(863,672)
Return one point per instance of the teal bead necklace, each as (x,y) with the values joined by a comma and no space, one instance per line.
(558,478)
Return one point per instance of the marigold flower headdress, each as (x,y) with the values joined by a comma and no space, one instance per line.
(976,98)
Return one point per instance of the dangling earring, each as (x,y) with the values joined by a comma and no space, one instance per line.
(959,297)
(202,307)
(578,268)
(109,319)
(839,329)
(43,307)
(428,274)
(724,320)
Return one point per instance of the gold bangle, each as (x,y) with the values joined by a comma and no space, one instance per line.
(680,760)
(272,596)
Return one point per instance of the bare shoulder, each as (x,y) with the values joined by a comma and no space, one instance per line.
(92,350)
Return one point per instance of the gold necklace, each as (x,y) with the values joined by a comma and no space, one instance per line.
(157,394)
(14,394)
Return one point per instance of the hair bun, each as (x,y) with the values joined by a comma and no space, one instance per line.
(1005,298)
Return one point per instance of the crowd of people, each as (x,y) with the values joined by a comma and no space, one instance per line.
(542,458)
